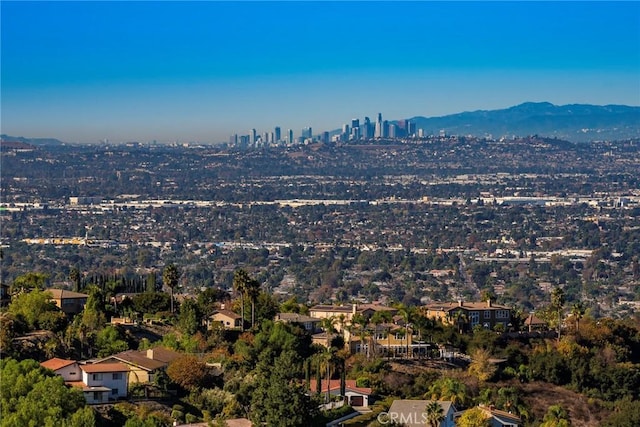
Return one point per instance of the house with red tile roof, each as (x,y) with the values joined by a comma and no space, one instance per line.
(69,370)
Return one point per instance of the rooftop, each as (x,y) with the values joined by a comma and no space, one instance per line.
(56,363)
(104,367)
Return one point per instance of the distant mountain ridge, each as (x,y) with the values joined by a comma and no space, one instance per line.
(573,122)
(32,141)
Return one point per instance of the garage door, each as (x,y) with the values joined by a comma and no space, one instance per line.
(357,400)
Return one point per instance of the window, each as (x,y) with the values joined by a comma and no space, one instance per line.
(116,376)
(475,317)
(97,377)
(487,314)
(97,396)
(114,391)
(502,314)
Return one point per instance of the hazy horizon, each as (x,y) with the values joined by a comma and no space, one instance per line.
(200,71)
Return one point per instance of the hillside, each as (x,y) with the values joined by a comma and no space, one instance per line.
(574,122)
(32,141)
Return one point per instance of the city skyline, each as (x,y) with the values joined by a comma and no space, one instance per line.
(201,71)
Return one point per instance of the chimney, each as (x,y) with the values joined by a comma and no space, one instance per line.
(489,302)
(354,308)
(150,353)
(460,303)
(222,306)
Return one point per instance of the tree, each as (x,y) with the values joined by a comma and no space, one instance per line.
(34,396)
(481,366)
(170,277)
(577,311)
(557,303)
(448,389)
(74,277)
(279,398)
(188,372)
(151,282)
(474,417)
(435,414)
(31,280)
(189,317)
(252,290)
(109,341)
(32,307)
(241,283)
(556,416)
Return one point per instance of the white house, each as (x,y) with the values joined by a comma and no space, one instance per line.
(69,370)
(413,413)
(354,395)
(102,382)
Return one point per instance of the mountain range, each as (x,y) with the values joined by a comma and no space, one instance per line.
(30,141)
(574,122)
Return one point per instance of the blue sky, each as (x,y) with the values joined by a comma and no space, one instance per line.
(200,71)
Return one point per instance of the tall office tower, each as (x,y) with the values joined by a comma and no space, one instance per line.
(277,136)
(355,128)
(307,133)
(233,140)
(344,136)
(392,130)
(385,129)
(272,138)
(252,137)
(366,129)
(420,133)
(265,138)
(244,141)
(379,133)
(290,136)
(325,137)
(411,128)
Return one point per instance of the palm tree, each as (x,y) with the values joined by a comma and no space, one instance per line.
(241,283)
(74,277)
(435,413)
(577,311)
(362,322)
(557,302)
(407,315)
(253,292)
(378,318)
(170,278)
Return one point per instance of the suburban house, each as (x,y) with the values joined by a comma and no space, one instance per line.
(343,314)
(68,301)
(533,323)
(69,370)
(144,364)
(390,340)
(227,318)
(309,323)
(467,315)
(354,395)
(413,413)
(103,382)
(499,418)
